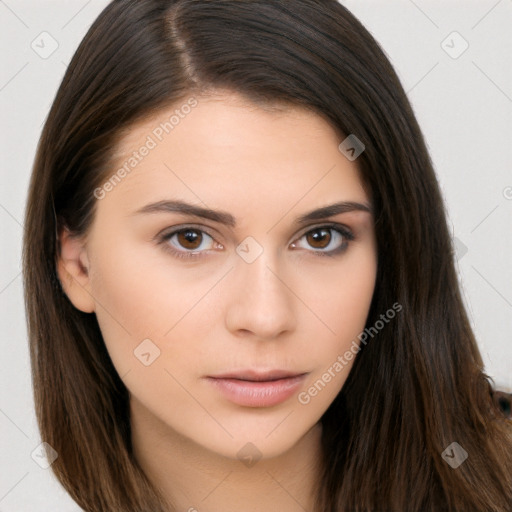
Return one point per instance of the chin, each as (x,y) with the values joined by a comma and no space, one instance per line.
(264,440)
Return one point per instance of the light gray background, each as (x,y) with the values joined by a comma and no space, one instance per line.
(463,104)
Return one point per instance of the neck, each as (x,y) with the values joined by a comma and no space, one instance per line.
(195,479)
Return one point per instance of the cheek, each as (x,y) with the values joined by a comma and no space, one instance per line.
(131,283)
(342,305)
(130,297)
(140,295)
(343,301)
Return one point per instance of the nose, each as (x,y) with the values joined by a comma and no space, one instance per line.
(261,301)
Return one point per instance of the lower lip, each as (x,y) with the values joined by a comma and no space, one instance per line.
(258,394)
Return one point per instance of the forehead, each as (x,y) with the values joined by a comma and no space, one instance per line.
(228,149)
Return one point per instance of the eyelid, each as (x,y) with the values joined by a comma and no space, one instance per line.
(169,231)
(326,224)
(346,233)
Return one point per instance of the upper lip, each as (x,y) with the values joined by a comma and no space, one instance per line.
(258,376)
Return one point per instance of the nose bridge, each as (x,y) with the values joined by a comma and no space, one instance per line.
(261,303)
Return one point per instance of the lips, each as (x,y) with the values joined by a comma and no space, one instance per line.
(252,388)
(255,376)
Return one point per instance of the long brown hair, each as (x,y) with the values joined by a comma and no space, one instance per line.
(414,389)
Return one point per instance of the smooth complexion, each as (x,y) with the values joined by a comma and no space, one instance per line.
(211,313)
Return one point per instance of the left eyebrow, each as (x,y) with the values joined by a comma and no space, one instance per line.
(334,209)
(222,217)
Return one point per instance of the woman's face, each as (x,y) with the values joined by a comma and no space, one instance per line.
(195,308)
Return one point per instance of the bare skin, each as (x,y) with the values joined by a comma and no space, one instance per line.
(291,308)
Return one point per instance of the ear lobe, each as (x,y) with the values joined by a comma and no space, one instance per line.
(73,271)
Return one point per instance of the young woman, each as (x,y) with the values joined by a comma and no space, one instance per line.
(239,280)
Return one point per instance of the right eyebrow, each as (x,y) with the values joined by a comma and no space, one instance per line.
(188,209)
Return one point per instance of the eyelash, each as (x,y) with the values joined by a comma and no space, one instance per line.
(347,235)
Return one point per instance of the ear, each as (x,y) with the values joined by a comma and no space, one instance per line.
(73,270)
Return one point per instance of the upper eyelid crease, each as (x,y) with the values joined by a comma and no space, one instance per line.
(227,219)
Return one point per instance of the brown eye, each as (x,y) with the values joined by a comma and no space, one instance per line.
(190,238)
(319,238)
(189,243)
(325,240)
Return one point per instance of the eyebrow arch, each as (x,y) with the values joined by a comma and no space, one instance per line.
(183,208)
